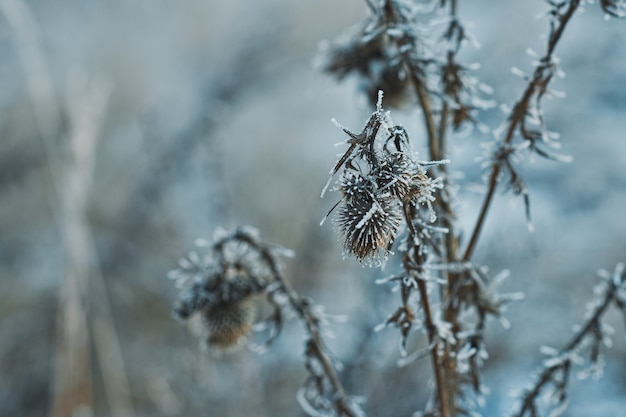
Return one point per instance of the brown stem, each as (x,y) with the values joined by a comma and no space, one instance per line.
(493,182)
(424,100)
(432,336)
(342,402)
(445,381)
(516,117)
(443,130)
(301,308)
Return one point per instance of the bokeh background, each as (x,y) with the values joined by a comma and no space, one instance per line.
(130,128)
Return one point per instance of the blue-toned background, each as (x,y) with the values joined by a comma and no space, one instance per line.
(200,114)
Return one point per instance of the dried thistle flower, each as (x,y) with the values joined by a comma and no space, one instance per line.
(219,290)
(387,184)
(220,308)
(228,323)
(395,175)
(367,223)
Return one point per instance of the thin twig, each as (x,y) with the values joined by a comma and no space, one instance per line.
(451,240)
(427,113)
(301,307)
(592,323)
(444,202)
(431,330)
(434,352)
(342,402)
(516,117)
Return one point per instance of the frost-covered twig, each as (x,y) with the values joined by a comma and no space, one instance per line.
(218,291)
(590,336)
(315,348)
(413,266)
(560,15)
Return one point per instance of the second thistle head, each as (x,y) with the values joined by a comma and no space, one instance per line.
(221,290)
(220,308)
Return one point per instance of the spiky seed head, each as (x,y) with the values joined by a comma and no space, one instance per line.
(355,187)
(394,176)
(227,324)
(368,226)
(220,308)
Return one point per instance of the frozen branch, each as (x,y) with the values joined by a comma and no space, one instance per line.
(561,14)
(590,336)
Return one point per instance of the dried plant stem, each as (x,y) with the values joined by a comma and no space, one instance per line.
(444,366)
(538,82)
(437,151)
(446,208)
(319,350)
(445,384)
(445,108)
(427,112)
(443,131)
(440,379)
(315,344)
(440,152)
(86,107)
(414,259)
(590,326)
(71,180)
(72,382)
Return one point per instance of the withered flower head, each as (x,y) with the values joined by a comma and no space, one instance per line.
(355,187)
(368,224)
(228,323)
(219,290)
(221,285)
(380,185)
(395,175)
(220,307)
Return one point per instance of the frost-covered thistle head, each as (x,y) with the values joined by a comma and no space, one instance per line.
(220,307)
(381,185)
(368,223)
(219,290)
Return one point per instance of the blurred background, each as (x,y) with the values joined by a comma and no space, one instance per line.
(131,128)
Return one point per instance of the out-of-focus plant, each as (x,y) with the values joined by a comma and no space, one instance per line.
(220,289)
(390,201)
